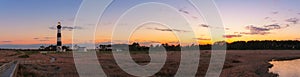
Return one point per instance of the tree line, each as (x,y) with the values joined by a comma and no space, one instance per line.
(237,45)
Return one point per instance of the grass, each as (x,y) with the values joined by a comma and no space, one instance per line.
(132,52)
(24,56)
(31,52)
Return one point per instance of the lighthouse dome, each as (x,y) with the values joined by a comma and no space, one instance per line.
(59,25)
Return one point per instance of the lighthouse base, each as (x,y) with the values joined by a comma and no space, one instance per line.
(59,49)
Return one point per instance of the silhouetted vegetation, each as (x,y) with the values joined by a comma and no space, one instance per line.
(136,47)
(24,56)
(264,45)
(53,48)
(30,52)
(237,45)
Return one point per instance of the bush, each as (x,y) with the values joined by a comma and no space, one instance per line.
(24,56)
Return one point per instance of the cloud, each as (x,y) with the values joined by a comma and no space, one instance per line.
(208,26)
(43,40)
(227,28)
(69,28)
(262,30)
(222,28)
(202,38)
(71,19)
(176,30)
(292,20)
(253,28)
(273,26)
(231,36)
(256,30)
(184,11)
(204,25)
(276,26)
(270,19)
(49,37)
(194,17)
(6,41)
(52,28)
(267,18)
(275,12)
(236,32)
(255,33)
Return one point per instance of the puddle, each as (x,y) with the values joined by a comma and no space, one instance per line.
(289,68)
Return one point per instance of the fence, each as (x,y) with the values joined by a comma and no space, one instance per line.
(9,69)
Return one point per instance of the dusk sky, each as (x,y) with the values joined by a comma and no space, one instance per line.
(25,22)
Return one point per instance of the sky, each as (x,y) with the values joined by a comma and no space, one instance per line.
(33,22)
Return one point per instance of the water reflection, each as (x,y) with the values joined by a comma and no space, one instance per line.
(286,68)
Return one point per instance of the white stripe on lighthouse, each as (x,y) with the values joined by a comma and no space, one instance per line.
(59,39)
(59,31)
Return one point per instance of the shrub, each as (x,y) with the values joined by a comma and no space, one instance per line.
(24,56)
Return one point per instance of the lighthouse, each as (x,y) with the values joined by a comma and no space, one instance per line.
(59,43)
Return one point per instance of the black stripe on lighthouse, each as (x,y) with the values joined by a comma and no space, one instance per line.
(58,35)
(58,43)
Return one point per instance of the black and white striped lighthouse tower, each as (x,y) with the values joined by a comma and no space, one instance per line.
(59,43)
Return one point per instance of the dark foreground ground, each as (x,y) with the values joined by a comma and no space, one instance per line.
(238,63)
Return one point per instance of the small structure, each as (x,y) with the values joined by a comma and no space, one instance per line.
(114,47)
(81,49)
(105,48)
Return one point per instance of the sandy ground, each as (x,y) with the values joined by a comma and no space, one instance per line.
(238,63)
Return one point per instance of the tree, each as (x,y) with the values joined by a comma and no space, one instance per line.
(67,48)
(42,47)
